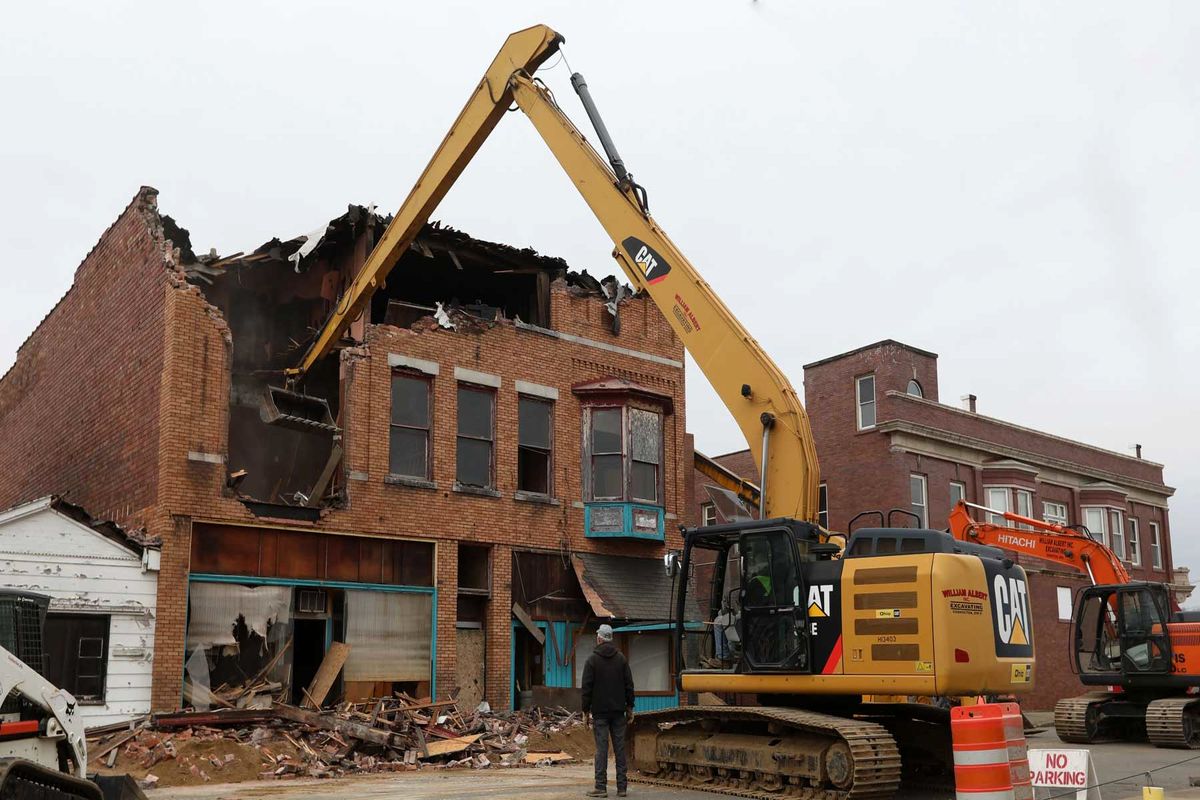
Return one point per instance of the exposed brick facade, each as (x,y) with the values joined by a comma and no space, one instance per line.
(131,372)
(866,469)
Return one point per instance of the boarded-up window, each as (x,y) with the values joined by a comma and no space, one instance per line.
(645,453)
(408,449)
(389,634)
(77,653)
(607,454)
(476,432)
(534,445)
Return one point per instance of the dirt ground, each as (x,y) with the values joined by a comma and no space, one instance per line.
(199,761)
(576,741)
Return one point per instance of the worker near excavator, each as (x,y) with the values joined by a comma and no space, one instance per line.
(608,707)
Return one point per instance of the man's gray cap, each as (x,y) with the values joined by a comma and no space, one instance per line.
(605,632)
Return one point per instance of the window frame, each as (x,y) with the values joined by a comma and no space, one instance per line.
(421,377)
(919,393)
(1133,541)
(707,521)
(823,505)
(1070,602)
(1157,561)
(1027,494)
(1116,523)
(996,519)
(588,456)
(1102,534)
(490,392)
(106,640)
(625,639)
(859,402)
(1055,519)
(924,504)
(658,466)
(962,494)
(548,452)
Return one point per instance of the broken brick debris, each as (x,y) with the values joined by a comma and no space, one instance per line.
(390,734)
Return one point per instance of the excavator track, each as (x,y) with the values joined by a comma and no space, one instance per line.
(1077,719)
(815,756)
(1174,722)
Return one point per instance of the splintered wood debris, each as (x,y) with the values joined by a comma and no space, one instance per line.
(386,734)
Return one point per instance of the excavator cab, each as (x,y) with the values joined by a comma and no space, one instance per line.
(1121,633)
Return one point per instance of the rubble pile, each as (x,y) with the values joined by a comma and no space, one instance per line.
(384,735)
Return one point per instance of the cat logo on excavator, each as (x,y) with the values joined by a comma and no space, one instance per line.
(1012,609)
(818,600)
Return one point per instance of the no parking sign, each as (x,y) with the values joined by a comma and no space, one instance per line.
(1056,772)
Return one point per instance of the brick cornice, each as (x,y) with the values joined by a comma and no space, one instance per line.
(984,446)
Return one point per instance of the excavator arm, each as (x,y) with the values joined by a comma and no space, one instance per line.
(760,397)
(1044,540)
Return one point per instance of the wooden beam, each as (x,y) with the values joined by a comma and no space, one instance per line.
(327,673)
(330,722)
(318,490)
(524,618)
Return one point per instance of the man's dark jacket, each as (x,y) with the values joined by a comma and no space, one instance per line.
(607,683)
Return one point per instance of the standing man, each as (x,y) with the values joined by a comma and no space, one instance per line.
(608,705)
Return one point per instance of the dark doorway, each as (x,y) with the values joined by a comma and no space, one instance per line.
(308,648)
(528,668)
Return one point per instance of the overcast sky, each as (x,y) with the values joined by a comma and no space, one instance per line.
(1015,186)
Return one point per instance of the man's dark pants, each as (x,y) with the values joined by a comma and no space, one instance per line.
(605,728)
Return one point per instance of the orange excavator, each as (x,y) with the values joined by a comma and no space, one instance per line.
(1129,637)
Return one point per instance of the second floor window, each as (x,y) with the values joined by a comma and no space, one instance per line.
(958,492)
(625,447)
(408,446)
(708,514)
(1055,512)
(920,498)
(474,465)
(1135,543)
(1156,554)
(865,391)
(534,444)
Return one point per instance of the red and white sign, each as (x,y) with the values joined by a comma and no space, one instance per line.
(1064,769)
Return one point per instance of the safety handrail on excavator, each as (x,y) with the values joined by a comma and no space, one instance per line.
(1045,540)
(762,400)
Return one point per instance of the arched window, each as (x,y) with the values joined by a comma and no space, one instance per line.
(914,388)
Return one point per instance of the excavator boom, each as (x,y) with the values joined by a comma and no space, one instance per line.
(753,388)
(1046,540)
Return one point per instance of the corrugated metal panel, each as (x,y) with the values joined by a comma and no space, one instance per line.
(557,672)
(655,703)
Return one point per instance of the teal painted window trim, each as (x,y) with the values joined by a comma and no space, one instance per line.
(627,531)
(205,577)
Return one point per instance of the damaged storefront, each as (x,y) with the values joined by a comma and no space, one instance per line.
(560,601)
(276,615)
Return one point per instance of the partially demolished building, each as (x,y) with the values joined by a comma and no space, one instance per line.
(502,465)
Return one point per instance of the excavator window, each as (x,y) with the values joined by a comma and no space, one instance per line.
(1144,644)
(772,614)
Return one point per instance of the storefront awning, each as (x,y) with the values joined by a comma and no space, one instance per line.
(627,588)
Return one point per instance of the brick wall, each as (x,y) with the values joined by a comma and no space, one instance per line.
(79,410)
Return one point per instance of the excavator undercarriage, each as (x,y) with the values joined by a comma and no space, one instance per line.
(760,751)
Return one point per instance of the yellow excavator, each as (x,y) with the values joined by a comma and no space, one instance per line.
(804,626)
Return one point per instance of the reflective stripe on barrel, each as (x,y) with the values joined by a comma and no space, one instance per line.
(1018,752)
(982,768)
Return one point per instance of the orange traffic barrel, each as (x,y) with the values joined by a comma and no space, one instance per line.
(982,770)
(1018,751)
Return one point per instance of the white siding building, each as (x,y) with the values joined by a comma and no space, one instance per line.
(103,585)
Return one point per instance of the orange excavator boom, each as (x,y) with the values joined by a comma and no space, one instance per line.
(1045,540)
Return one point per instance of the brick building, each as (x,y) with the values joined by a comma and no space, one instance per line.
(885,441)
(497,449)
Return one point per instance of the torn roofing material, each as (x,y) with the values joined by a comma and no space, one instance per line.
(627,588)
